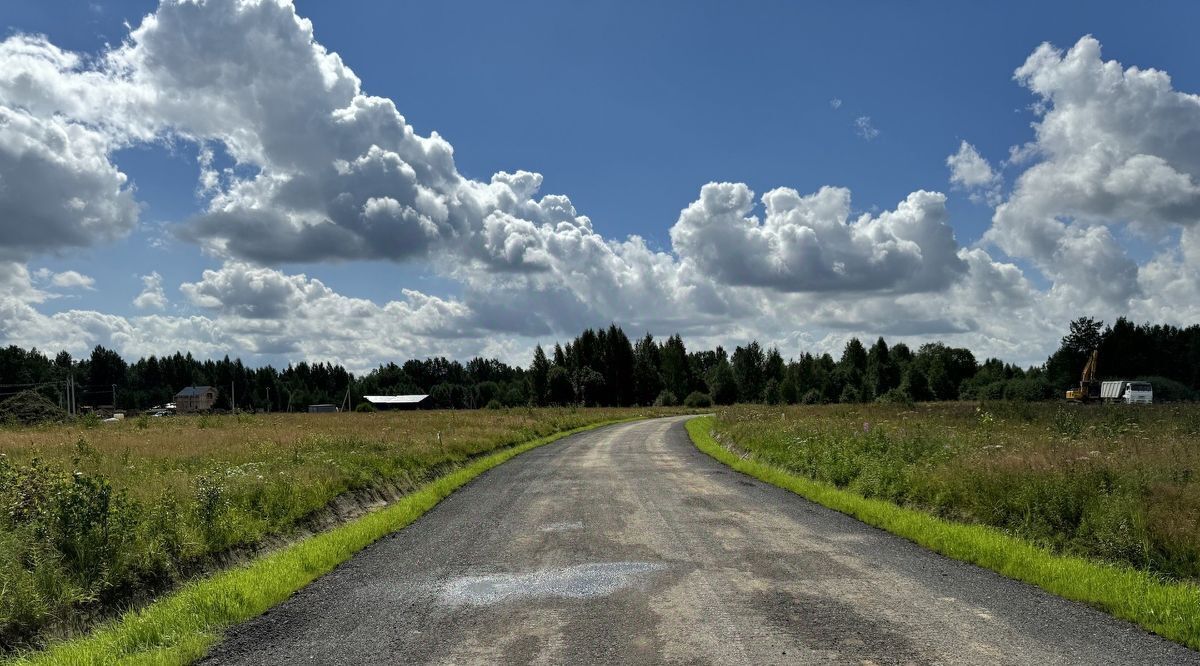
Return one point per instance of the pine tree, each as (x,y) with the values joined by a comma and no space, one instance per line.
(539,372)
(676,367)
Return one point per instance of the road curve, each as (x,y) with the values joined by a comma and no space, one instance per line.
(627,545)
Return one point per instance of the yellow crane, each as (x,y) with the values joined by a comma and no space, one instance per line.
(1089,387)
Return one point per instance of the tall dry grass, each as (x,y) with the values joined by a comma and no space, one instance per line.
(95,516)
(1115,482)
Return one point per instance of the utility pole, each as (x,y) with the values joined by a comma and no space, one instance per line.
(268,399)
(233,396)
(114,397)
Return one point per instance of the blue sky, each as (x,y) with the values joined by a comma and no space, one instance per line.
(630,108)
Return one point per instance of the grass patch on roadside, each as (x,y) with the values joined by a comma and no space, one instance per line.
(1167,608)
(181,627)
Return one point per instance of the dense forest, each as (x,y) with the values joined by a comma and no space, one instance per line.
(605,367)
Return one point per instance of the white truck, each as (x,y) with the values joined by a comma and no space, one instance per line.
(1128,392)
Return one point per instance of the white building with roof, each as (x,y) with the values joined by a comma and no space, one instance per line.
(396,401)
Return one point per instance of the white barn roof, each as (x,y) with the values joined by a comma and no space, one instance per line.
(394,399)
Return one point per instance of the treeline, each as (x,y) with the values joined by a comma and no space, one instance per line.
(605,367)
(602,367)
(1166,356)
(155,380)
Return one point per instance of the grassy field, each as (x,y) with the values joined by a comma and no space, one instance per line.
(1116,483)
(96,518)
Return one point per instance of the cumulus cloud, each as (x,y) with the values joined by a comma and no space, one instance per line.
(257,313)
(1173,277)
(969,170)
(152,296)
(809,243)
(59,122)
(265,308)
(72,280)
(1113,147)
(57,187)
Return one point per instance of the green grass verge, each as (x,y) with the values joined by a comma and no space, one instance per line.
(180,628)
(1169,609)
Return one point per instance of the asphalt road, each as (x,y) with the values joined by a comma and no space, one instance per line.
(627,545)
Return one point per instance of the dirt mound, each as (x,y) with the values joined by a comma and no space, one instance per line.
(29,408)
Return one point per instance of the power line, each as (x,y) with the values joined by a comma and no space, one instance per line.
(49,382)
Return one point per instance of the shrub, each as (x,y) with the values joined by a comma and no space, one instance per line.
(722,386)
(896,396)
(811,397)
(30,408)
(772,394)
(486,392)
(789,392)
(514,396)
(850,394)
(365,407)
(915,383)
(1027,390)
(1169,390)
(696,399)
(495,403)
(989,391)
(666,399)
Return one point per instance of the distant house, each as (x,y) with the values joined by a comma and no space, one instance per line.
(322,409)
(396,401)
(195,399)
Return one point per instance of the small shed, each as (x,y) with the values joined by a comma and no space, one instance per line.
(195,399)
(322,409)
(396,401)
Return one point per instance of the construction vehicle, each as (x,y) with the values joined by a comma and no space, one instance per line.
(1130,393)
(1089,387)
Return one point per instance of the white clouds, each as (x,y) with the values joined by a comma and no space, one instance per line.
(808,243)
(152,296)
(63,280)
(326,172)
(1173,278)
(865,128)
(255,313)
(57,187)
(1117,146)
(330,173)
(59,121)
(72,280)
(969,169)
(270,312)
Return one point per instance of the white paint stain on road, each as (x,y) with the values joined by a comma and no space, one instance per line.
(582,581)
(562,527)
